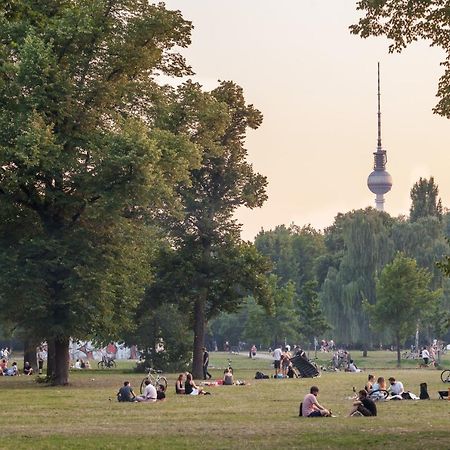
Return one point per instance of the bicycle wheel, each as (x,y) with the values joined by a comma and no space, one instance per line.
(141,388)
(163,382)
(100,365)
(112,364)
(445,376)
(379,394)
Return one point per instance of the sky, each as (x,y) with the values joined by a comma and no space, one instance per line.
(316,85)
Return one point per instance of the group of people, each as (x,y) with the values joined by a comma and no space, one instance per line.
(396,389)
(363,405)
(150,393)
(8,371)
(81,364)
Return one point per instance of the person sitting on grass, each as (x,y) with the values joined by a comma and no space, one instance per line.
(14,369)
(364,406)
(161,392)
(228,379)
(190,388)
(311,407)
(27,369)
(149,394)
(370,382)
(396,389)
(352,367)
(126,393)
(179,384)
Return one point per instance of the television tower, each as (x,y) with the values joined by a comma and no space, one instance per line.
(379,181)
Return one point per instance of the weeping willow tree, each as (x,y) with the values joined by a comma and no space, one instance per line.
(362,239)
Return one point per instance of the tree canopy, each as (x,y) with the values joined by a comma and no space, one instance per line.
(82,162)
(403,298)
(406,21)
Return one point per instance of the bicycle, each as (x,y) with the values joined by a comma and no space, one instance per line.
(154,377)
(445,376)
(379,394)
(106,363)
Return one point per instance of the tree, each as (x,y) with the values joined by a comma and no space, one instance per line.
(209,268)
(403,298)
(82,164)
(312,320)
(425,201)
(360,245)
(406,21)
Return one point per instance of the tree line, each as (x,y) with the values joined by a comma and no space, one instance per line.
(330,283)
(118,193)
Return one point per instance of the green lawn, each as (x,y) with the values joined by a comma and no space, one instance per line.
(263,414)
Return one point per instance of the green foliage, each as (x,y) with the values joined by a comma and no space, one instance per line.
(293,252)
(312,321)
(403,299)
(406,21)
(166,325)
(82,166)
(209,269)
(425,202)
(360,241)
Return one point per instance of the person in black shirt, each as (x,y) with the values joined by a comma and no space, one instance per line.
(205,364)
(364,406)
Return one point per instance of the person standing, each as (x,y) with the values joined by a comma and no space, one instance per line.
(40,358)
(277,353)
(205,364)
(425,356)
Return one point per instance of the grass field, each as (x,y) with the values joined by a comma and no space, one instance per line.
(263,414)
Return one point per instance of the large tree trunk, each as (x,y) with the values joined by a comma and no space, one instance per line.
(29,353)
(397,343)
(199,337)
(62,360)
(50,359)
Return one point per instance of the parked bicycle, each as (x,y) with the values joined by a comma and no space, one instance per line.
(445,376)
(106,363)
(155,378)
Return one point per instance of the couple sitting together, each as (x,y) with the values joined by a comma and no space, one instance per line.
(310,407)
(185,384)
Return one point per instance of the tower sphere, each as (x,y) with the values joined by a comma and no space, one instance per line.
(379,182)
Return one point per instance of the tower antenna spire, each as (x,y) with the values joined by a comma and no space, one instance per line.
(379,181)
(379,111)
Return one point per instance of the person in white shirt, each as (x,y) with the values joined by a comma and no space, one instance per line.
(149,394)
(352,367)
(397,388)
(277,358)
(425,356)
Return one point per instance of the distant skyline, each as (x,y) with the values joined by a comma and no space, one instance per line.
(316,85)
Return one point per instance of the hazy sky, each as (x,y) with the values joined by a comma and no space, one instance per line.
(315,84)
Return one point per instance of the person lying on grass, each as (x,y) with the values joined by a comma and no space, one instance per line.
(311,407)
(126,393)
(364,406)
